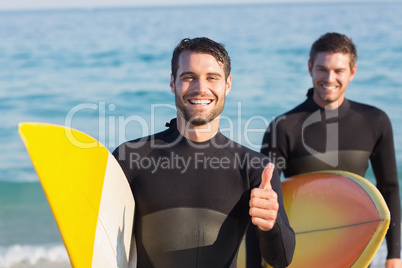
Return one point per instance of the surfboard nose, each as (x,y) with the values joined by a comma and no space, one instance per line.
(87,191)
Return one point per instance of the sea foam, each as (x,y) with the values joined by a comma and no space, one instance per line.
(30,256)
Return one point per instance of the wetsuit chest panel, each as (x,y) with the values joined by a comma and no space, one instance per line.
(189,237)
(193,214)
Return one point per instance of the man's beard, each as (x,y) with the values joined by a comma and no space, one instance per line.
(198,120)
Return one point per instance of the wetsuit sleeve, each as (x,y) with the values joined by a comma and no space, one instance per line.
(278,244)
(121,157)
(274,144)
(384,166)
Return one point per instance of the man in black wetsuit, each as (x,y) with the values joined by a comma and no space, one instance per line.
(196,190)
(329,132)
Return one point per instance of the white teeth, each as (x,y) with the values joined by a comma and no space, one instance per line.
(329,88)
(200,101)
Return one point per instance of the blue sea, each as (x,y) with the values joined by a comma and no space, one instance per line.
(106,72)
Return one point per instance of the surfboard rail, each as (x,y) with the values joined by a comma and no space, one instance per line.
(87,191)
(340,219)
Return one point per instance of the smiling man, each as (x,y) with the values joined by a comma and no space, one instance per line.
(331,74)
(329,132)
(200,85)
(195,215)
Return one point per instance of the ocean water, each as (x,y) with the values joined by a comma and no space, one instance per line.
(106,72)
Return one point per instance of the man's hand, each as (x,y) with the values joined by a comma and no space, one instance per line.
(393,263)
(264,202)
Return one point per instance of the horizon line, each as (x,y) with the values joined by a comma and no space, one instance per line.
(172,5)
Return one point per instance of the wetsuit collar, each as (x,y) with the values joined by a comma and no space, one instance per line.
(218,141)
(340,112)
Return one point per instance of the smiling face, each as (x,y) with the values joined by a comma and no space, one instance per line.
(200,88)
(331,74)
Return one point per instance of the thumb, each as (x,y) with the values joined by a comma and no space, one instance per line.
(266,177)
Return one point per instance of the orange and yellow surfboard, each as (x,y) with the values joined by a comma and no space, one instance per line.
(339,218)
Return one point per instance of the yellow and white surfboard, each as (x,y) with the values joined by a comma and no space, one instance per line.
(88,193)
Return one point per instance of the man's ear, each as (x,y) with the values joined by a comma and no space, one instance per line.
(352,73)
(228,85)
(310,67)
(172,88)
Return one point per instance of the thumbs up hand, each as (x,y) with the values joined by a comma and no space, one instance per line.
(264,202)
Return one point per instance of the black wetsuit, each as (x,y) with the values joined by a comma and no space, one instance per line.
(309,138)
(192,201)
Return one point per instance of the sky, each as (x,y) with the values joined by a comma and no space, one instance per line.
(88,4)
